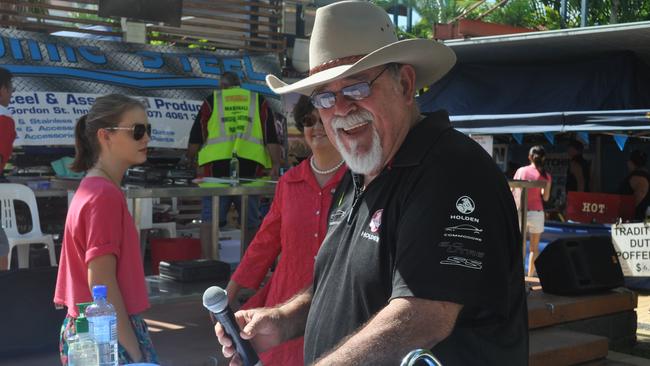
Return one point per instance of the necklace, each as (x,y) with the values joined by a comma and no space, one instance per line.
(105,174)
(324,172)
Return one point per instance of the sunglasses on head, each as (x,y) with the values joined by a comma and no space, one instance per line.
(358,91)
(139,129)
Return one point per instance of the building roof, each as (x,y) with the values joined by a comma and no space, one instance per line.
(563,43)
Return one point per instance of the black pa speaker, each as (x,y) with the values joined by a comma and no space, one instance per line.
(30,321)
(579,265)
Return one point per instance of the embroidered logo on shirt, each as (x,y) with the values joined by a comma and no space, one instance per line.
(367,235)
(465,205)
(459,249)
(462,262)
(464,227)
(375,221)
(336,217)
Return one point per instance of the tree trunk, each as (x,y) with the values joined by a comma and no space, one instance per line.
(613,16)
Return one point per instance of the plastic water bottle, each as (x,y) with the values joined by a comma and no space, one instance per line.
(103,326)
(234,168)
(82,348)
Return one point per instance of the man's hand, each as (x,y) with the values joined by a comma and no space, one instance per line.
(275,150)
(263,327)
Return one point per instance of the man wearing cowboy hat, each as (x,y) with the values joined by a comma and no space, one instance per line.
(422,249)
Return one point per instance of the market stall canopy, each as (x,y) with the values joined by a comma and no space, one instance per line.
(557,122)
(587,79)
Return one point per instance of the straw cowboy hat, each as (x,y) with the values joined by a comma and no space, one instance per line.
(353,36)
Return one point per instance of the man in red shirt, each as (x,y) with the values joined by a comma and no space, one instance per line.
(7,126)
(7,137)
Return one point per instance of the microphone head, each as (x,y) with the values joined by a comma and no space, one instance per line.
(215,299)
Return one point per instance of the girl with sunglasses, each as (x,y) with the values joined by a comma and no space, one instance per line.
(293,229)
(100,240)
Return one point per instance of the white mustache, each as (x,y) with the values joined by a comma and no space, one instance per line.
(352,119)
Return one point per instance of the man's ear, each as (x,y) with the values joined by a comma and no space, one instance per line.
(407,82)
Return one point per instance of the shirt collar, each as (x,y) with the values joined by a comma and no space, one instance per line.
(420,139)
(300,174)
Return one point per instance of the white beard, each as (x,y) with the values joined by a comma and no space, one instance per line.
(359,162)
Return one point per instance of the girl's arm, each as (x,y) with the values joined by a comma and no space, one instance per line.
(102,271)
(546,191)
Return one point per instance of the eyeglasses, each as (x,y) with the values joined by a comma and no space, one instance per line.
(357,91)
(139,129)
(310,120)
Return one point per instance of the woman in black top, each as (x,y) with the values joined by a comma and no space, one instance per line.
(637,183)
(579,170)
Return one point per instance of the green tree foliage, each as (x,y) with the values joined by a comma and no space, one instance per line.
(534,14)
(601,12)
(519,13)
(430,11)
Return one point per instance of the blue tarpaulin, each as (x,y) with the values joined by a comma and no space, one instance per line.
(600,93)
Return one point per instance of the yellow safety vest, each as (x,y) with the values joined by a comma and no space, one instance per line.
(235,127)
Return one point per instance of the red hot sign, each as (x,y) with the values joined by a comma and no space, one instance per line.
(585,207)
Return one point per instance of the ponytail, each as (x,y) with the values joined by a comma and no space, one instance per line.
(105,112)
(84,157)
(537,154)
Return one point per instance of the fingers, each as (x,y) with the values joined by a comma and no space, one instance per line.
(249,329)
(222,337)
(242,317)
(227,348)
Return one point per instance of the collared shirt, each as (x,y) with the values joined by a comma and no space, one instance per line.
(293,229)
(438,223)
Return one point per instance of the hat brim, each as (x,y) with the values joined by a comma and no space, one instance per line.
(431,61)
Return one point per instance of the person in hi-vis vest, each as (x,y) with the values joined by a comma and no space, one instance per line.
(234,120)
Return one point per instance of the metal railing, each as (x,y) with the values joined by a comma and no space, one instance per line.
(240,25)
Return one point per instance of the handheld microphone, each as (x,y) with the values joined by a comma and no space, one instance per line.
(215,300)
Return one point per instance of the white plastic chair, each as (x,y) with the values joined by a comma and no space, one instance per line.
(8,193)
(146,218)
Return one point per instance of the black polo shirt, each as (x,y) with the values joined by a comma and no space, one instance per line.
(438,223)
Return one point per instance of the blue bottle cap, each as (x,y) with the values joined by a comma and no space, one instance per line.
(99,291)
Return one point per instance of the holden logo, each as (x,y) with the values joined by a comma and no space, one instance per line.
(375,222)
(465,205)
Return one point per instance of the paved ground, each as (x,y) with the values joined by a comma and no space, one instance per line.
(183,336)
(642,348)
(181,332)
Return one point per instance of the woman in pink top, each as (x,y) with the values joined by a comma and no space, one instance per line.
(293,230)
(100,241)
(535,214)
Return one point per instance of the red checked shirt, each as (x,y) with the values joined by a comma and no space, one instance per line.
(294,228)
(7,136)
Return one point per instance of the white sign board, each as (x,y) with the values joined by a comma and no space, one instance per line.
(632,245)
(486,142)
(48,118)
